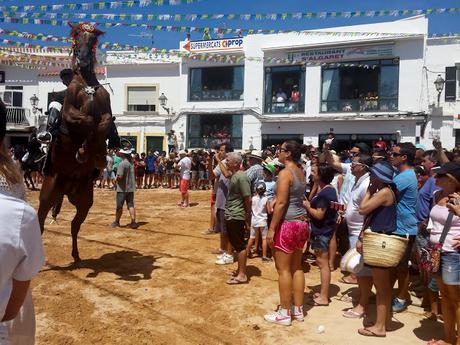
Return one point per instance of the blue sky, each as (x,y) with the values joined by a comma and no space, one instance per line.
(438,24)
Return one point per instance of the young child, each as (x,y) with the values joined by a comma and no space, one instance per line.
(259,219)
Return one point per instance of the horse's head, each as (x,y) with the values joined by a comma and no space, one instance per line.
(84,37)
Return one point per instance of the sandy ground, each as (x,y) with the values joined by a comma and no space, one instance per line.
(159,285)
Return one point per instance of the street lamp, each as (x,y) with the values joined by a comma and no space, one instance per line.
(163,101)
(439,84)
(34,102)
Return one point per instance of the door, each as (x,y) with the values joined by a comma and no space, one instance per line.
(155,143)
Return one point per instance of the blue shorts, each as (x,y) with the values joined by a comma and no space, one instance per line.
(320,242)
(450,267)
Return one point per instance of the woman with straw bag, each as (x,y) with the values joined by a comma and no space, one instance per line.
(379,207)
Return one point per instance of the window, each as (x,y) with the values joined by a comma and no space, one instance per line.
(451,84)
(209,131)
(216,84)
(142,98)
(366,86)
(12,96)
(285,89)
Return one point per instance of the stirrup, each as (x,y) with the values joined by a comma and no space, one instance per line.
(79,158)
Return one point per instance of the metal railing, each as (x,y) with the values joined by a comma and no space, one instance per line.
(18,116)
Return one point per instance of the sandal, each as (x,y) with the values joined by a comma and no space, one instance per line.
(351,314)
(344,280)
(236,281)
(368,333)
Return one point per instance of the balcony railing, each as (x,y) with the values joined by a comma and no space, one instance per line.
(216,95)
(285,107)
(360,105)
(16,116)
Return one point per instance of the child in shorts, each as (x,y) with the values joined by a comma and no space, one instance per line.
(259,219)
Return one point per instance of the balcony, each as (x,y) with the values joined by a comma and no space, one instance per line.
(17,117)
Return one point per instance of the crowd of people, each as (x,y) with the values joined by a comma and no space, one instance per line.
(297,204)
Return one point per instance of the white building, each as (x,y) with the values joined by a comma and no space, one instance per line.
(360,82)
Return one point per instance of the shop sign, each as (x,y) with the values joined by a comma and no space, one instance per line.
(227,44)
(342,54)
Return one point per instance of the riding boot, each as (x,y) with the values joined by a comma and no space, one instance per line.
(47,166)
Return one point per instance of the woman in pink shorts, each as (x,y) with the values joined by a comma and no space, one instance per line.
(287,235)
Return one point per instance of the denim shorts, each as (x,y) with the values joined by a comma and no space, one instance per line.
(450,267)
(320,242)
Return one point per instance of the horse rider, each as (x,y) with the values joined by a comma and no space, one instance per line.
(54,109)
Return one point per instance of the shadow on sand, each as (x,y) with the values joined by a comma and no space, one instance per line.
(128,265)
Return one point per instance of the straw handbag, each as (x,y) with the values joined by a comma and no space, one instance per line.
(383,250)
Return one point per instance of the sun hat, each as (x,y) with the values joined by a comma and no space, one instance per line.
(261,186)
(255,154)
(270,167)
(450,169)
(383,171)
(156,153)
(182,152)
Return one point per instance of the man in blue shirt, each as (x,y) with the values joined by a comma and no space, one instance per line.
(402,158)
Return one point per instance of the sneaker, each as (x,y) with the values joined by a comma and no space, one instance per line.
(133,225)
(278,318)
(310,258)
(397,306)
(297,313)
(225,259)
(115,225)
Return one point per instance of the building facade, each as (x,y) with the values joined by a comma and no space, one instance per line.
(361,82)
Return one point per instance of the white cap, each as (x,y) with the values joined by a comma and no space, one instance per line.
(182,152)
(55,105)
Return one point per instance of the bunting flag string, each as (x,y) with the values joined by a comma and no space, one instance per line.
(216,30)
(231,16)
(120,46)
(98,5)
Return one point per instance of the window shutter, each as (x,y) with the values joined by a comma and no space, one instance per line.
(451,84)
(142,95)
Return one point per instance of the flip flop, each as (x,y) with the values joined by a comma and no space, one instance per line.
(343,281)
(235,281)
(368,333)
(351,314)
(313,303)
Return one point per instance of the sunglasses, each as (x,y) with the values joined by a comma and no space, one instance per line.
(354,154)
(396,154)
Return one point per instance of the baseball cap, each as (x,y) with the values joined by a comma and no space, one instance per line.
(450,169)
